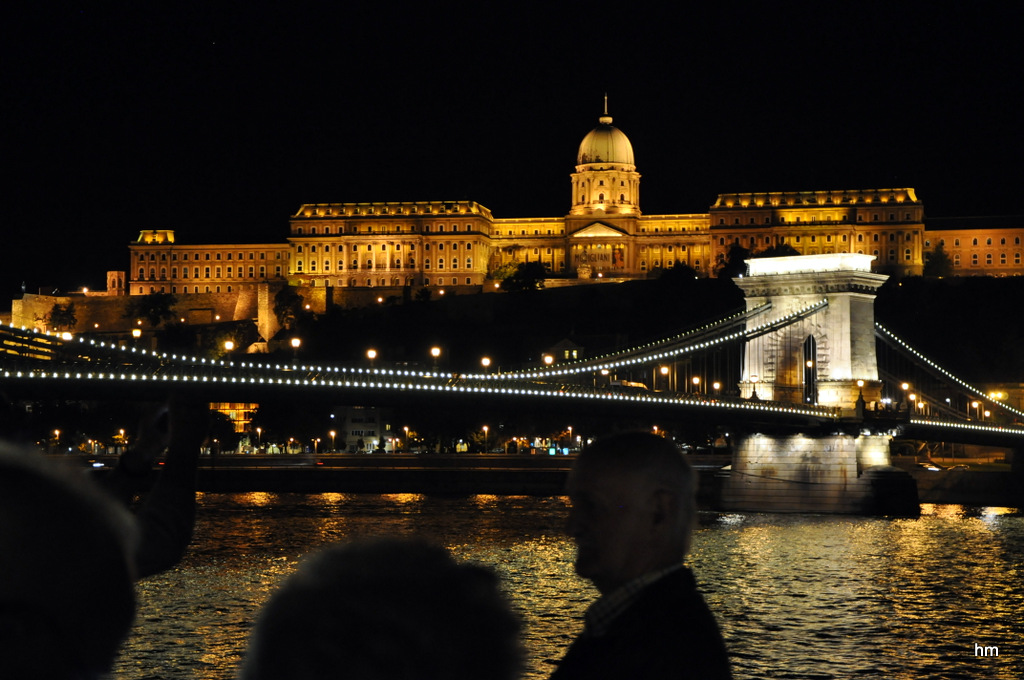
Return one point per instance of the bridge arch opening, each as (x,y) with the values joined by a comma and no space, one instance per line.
(810,361)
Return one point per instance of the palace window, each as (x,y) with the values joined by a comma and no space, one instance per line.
(906,254)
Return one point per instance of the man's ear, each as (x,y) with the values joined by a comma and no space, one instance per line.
(664,506)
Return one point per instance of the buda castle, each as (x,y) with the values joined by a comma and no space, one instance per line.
(355,253)
(457,244)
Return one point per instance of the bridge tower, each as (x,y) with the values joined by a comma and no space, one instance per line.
(825,358)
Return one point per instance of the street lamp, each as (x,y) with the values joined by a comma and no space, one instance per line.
(333,434)
(486,363)
(486,448)
(296,343)
(435,352)
(664,374)
(406,430)
(229,345)
(548,359)
(259,438)
(371,354)
(316,445)
(696,383)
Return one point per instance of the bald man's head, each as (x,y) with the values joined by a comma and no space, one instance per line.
(632,508)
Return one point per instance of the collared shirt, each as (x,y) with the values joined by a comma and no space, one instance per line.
(603,612)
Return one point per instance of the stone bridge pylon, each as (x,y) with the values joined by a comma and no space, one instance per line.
(826,358)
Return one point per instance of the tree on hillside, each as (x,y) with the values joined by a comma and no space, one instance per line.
(938,263)
(506,270)
(287,306)
(62,317)
(155,308)
(528,276)
(734,263)
(778,250)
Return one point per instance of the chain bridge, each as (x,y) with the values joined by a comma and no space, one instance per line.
(814,386)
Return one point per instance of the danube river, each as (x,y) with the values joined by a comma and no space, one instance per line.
(797,596)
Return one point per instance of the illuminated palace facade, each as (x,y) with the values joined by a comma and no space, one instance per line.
(459,244)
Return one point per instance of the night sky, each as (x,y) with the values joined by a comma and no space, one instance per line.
(218,119)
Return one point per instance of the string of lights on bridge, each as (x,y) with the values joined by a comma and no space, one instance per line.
(628,359)
(395,379)
(967,386)
(996,429)
(594,363)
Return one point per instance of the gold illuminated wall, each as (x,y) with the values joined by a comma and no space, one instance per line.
(981,251)
(160,265)
(885,223)
(390,245)
(457,244)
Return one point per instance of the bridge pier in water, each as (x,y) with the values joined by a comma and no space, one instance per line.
(815,473)
(827,357)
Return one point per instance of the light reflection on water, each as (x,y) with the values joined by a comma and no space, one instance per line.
(797,596)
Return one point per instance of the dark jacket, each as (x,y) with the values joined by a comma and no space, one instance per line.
(668,632)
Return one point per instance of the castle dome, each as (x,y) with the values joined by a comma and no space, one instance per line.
(605,144)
